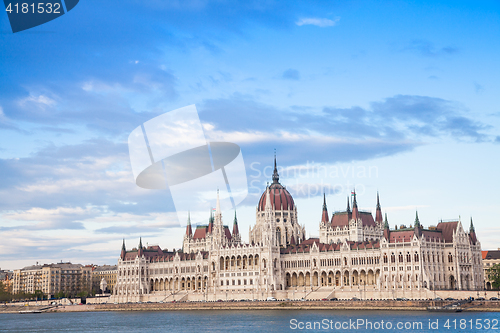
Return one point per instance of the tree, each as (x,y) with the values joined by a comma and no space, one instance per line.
(5,295)
(82,294)
(59,294)
(39,294)
(494,276)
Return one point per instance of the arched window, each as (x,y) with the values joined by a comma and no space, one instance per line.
(393,257)
(400,257)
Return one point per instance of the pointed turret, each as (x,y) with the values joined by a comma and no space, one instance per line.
(324,216)
(189,230)
(418,227)
(217,207)
(276,177)
(472,233)
(211,222)
(124,250)
(378,214)
(268,200)
(355,214)
(417,221)
(348,207)
(140,249)
(235,226)
(387,231)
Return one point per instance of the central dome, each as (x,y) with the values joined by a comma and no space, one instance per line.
(278,194)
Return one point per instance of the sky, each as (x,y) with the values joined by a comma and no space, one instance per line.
(399,97)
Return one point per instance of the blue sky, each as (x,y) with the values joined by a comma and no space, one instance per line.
(399,97)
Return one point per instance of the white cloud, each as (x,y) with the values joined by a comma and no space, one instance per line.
(320,22)
(41,101)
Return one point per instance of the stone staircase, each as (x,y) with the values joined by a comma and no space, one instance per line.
(320,293)
(176,296)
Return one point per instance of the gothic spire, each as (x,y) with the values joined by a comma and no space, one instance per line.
(324,215)
(189,230)
(348,207)
(276,177)
(140,243)
(417,221)
(472,233)
(387,231)
(268,200)
(211,222)
(354,206)
(124,250)
(378,213)
(217,207)
(235,225)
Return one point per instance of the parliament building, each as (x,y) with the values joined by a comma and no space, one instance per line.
(356,255)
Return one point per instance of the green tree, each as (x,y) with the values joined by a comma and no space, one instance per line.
(494,276)
(60,294)
(38,294)
(5,295)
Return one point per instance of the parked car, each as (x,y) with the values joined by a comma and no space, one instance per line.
(271,299)
(334,299)
(494,299)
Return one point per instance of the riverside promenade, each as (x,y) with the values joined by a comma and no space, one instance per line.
(410,305)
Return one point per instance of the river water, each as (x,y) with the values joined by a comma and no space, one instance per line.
(252,321)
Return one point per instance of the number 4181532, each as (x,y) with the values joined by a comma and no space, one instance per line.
(25,8)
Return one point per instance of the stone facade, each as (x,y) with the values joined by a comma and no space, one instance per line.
(490,258)
(355,253)
(53,278)
(106,272)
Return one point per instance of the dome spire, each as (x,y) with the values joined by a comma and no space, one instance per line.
(276,177)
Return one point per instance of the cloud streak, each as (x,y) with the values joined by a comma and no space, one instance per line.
(319,22)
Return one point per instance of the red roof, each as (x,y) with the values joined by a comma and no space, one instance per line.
(495,254)
(447,229)
(279,197)
(432,235)
(397,236)
(200,232)
(341,219)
